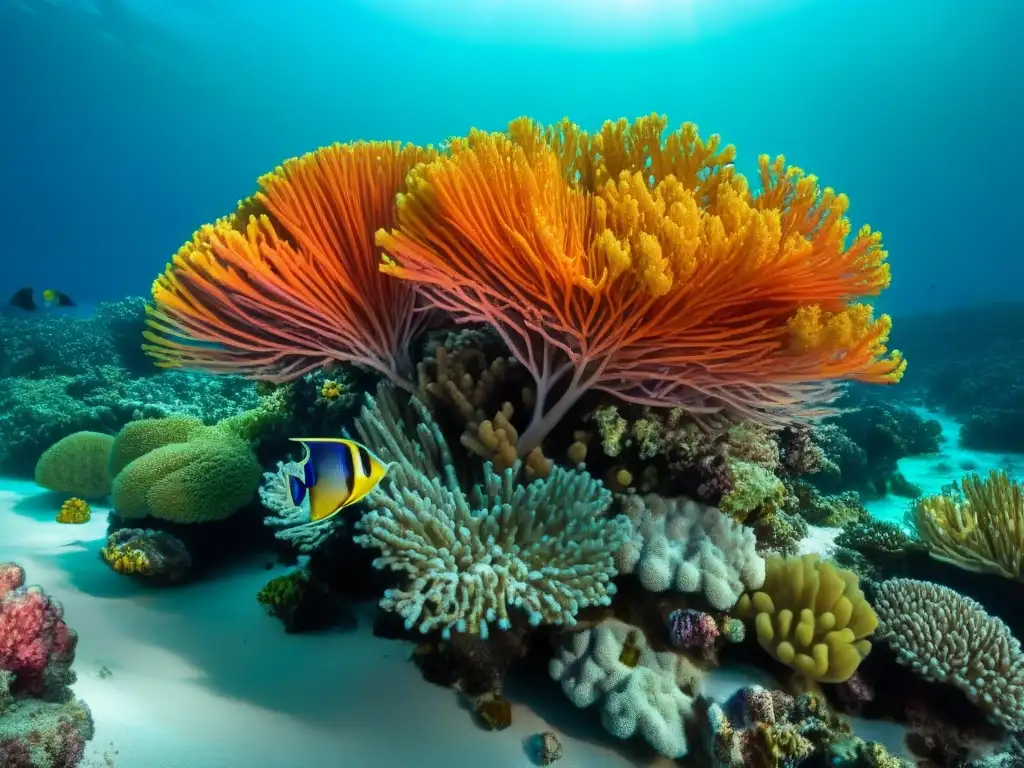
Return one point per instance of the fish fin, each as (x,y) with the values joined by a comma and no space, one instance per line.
(331,462)
(298,490)
(63,300)
(23,299)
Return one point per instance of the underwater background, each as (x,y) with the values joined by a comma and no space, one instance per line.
(564,434)
(150,114)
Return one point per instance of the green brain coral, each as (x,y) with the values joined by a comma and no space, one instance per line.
(78,464)
(209,477)
(138,438)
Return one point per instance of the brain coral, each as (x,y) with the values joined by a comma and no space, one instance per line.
(681,545)
(812,617)
(78,464)
(209,477)
(948,638)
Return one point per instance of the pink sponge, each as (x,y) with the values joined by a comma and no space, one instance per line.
(33,635)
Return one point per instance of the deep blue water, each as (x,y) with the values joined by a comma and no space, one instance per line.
(128,123)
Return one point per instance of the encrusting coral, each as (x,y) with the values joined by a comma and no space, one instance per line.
(812,617)
(641,692)
(736,300)
(681,545)
(469,559)
(982,531)
(949,638)
(156,556)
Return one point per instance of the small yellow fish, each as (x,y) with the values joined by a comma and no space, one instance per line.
(335,473)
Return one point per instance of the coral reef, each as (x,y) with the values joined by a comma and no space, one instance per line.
(41,725)
(811,617)
(948,638)
(298,600)
(979,529)
(544,548)
(155,556)
(759,728)
(681,545)
(641,692)
(862,447)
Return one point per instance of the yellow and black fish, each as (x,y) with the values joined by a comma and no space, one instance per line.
(335,474)
(24,299)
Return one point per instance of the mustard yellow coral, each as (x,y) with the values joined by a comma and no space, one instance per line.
(812,617)
(74,511)
(983,531)
(127,559)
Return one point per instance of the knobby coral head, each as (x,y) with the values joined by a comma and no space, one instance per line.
(644,266)
(291,281)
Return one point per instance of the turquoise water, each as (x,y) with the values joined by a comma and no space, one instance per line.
(130,122)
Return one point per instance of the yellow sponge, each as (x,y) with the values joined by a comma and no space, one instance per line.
(811,616)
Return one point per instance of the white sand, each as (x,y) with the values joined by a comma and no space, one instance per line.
(201,678)
(929,474)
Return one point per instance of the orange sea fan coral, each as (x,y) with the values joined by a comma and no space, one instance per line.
(290,283)
(647,269)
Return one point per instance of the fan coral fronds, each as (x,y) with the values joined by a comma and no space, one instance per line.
(982,532)
(294,285)
(643,266)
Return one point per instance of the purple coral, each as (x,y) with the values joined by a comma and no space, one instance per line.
(692,629)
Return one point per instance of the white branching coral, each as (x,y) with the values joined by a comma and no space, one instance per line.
(681,545)
(948,638)
(292,520)
(545,548)
(640,691)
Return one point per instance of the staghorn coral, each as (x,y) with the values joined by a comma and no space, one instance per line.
(545,548)
(681,545)
(983,531)
(811,617)
(641,692)
(737,300)
(155,556)
(290,282)
(948,638)
(74,511)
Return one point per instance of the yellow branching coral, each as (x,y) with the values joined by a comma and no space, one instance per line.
(74,511)
(812,617)
(983,531)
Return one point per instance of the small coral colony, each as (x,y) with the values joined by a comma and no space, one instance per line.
(576,394)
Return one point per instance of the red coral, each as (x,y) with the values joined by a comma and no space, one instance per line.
(33,634)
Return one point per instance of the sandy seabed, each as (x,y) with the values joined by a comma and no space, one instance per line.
(200,677)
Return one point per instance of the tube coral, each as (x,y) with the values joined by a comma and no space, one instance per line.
(290,282)
(645,267)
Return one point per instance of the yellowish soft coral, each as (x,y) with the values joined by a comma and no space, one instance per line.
(74,511)
(811,616)
(982,531)
(126,559)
